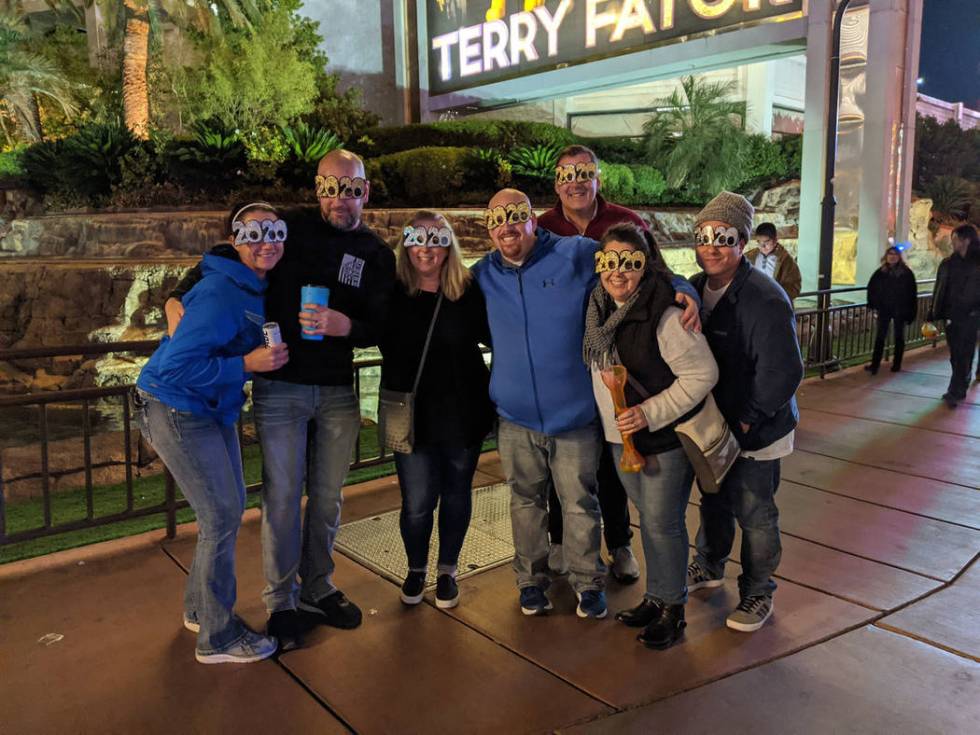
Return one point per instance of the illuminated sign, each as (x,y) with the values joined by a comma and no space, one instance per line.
(475,42)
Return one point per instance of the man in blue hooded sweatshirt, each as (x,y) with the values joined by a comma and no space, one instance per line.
(536,285)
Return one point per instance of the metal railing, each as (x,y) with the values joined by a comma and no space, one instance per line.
(849,335)
(833,334)
(134,453)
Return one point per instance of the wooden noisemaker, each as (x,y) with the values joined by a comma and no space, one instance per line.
(614,378)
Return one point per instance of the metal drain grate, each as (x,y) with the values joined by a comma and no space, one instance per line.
(376,542)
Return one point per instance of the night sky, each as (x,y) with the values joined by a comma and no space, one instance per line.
(950,58)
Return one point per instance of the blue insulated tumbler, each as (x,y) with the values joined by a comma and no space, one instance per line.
(319,295)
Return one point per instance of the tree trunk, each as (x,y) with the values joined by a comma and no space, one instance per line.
(27,116)
(136,103)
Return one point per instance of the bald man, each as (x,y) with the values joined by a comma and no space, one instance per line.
(306,413)
(536,286)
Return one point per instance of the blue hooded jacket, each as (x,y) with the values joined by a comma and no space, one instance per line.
(538,379)
(201,368)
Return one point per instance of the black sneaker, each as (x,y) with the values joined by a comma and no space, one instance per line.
(335,609)
(288,627)
(414,588)
(447,591)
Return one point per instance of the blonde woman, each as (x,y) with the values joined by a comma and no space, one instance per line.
(453,412)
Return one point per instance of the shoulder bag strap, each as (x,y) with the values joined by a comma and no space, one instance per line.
(428,338)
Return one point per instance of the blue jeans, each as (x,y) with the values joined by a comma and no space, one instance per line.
(431,475)
(660,493)
(284,413)
(748,495)
(206,461)
(530,461)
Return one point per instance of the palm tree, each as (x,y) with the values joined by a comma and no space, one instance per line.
(25,75)
(695,137)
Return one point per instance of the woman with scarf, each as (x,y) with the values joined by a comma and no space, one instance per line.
(893,294)
(632,321)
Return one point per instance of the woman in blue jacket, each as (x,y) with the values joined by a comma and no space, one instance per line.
(188,397)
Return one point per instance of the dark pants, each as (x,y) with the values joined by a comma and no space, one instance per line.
(961,336)
(747,495)
(613,504)
(431,475)
(881,335)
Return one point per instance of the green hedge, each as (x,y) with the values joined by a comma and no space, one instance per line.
(502,135)
(632,185)
(12,163)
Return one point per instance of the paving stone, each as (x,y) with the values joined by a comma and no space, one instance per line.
(931,498)
(866,682)
(603,658)
(949,618)
(99,648)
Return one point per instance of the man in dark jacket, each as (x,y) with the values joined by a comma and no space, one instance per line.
(330,248)
(582,210)
(956,299)
(750,327)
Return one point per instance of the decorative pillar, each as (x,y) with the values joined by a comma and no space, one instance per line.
(760,88)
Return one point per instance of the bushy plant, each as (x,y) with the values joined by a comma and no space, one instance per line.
(212,157)
(792,150)
(43,165)
(12,163)
(502,135)
(632,185)
(305,146)
(617,149)
(944,149)
(535,161)
(92,157)
(762,162)
(431,177)
(486,169)
(951,196)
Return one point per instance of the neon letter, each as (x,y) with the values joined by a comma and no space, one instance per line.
(666,14)
(523,43)
(710,9)
(551,23)
(594,20)
(442,44)
(469,51)
(633,15)
(495,45)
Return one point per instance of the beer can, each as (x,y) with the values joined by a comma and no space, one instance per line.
(273,337)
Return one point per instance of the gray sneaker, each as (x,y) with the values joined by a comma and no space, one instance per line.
(698,578)
(751,614)
(556,560)
(624,566)
(252,647)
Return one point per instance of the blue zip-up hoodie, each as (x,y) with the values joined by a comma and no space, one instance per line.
(537,321)
(201,368)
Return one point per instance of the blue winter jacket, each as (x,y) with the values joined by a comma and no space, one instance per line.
(537,320)
(201,368)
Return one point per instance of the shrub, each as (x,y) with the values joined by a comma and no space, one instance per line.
(951,196)
(11,163)
(792,149)
(306,146)
(617,150)
(209,158)
(636,185)
(535,161)
(429,176)
(42,163)
(91,158)
(486,168)
(502,135)
(763,161)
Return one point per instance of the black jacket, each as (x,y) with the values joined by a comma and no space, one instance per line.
(752,334)
(957,290)
(894,293)
(452,405)
(357,267)
(639,352)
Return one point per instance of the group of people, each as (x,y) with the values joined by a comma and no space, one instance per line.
(559,299)
(893,295)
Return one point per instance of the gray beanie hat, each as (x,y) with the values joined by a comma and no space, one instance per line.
(730,208)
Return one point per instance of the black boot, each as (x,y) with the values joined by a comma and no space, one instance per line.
(641,615)
(664,631)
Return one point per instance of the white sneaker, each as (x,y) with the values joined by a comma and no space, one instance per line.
(252,647)
(625,569)
(192,625)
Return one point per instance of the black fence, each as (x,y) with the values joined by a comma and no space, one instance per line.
(830,336)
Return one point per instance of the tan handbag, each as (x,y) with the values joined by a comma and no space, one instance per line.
(396,409)
(709,444)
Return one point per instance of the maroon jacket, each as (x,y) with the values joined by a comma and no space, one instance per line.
(606,216)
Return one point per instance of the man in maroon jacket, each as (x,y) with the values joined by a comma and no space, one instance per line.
(581,210)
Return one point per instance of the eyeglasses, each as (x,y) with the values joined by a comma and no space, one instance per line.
(330,187)
(427,237)
(575,172)
(722,237)
(624,261)
(510,214)
(255,232)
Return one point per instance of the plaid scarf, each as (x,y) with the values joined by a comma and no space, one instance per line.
(602,318)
